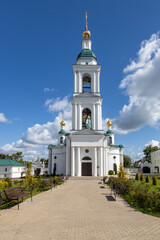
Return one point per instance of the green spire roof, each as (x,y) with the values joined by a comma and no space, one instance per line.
(110,132)
(62,132)
(86,53)
(9,162)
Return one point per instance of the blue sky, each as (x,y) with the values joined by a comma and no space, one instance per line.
(39,42)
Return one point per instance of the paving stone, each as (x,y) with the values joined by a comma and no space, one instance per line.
(74,211)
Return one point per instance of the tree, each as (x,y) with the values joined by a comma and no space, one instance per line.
(147,152)
(45,161)
(4,156)
(127,161)
(122,173)
(18,157)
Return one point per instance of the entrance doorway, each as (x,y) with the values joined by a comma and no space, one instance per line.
(86,169)
(146,170)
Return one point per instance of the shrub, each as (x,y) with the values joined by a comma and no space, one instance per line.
(110,172)
(155,181)
(8,180)
(147,179)
(16,181)
(122,173)
(22,182)
(137,176)
(115,168)
(3,184)
(142,177)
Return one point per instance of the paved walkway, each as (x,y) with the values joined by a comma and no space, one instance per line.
(74,211)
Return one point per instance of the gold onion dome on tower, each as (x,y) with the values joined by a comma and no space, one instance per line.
(86,34)
(63,123)
(109,123)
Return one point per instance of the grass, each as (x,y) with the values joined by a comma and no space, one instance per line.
(152,187)
(139,199)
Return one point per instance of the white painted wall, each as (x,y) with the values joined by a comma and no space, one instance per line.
(60,154)
(12,172)
(155,159)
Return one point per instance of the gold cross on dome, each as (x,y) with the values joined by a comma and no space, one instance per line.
(62,115)
(86,17)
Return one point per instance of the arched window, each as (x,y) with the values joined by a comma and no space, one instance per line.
(86,84)
(86,118)
(61,140)
(86,158)
(110,140)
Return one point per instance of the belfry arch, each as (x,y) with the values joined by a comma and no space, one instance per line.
(86,118)
(86,83)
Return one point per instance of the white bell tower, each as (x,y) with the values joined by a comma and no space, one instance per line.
(86,100)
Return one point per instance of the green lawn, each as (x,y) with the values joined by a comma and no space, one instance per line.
(142,196)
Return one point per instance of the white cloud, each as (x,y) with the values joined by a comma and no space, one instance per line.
(56,105)
(141,84)
(38,137)
(3,118)
(49,89)
(154,143)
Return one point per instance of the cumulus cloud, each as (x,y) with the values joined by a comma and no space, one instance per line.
(141,84)
(38,137)
(3,118)
(56,105)
(154,143)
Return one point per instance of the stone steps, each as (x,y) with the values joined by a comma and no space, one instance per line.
(85,178)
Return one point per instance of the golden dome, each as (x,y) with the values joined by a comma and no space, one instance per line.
(86,34)
(63,123)
(109,123)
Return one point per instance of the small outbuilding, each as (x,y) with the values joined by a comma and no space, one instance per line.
(12,169)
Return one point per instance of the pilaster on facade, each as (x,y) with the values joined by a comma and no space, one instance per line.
(72,161)
(78,162)
(101,161)
(95,162)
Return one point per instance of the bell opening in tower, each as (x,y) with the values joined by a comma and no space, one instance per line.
(86,84)
(86,118)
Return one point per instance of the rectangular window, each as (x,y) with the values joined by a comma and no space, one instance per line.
(5,169)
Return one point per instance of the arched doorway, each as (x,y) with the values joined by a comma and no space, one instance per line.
(86,166)
(146,170)
(86,118)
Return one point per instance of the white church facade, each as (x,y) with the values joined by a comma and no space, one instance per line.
(86,150)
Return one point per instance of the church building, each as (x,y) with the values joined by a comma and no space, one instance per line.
(86,150)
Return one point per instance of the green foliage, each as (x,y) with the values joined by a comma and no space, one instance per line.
(139,196)
(127,161)
(45,161)
(9,181)
(110,172)
(115,168)
(54,169)
(17,157)
(22,182)
(155,181)
(137,176)
(122,173)
(142,177)
(147,179)
(16,181)
(147,152)
(4,156)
